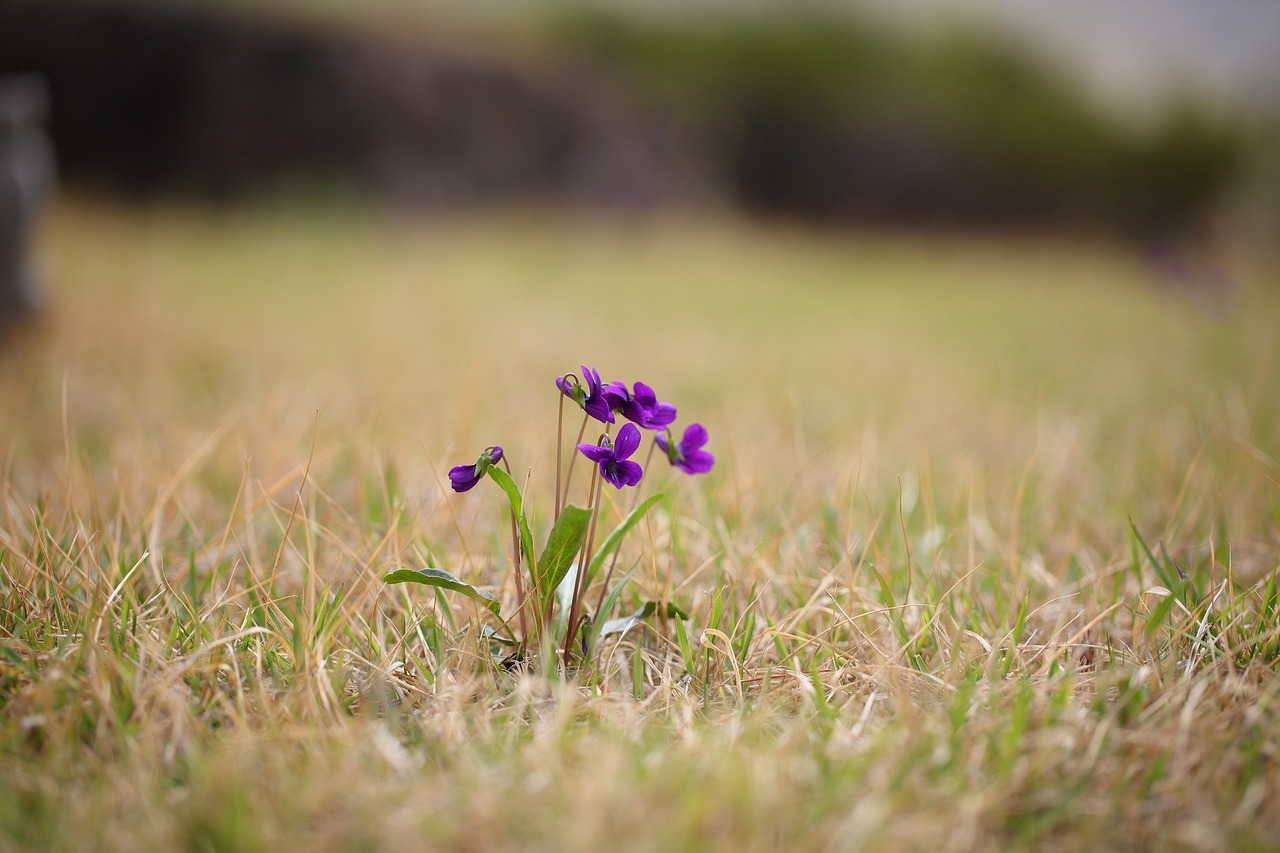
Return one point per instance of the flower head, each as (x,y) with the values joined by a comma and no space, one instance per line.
(464,477)
(643,408)
(596,398)
(688,455)
(615,467)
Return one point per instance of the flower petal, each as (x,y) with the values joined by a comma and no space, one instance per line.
(645,395)
(592,378)
(696,462)
(613,399)
(629,472)
(597,406)
(596,454)
(695,435)
(633,411)
(463,477)
(627,441)
(662,415)
(613,474)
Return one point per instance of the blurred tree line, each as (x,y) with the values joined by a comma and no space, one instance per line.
(829,119)
(814,117)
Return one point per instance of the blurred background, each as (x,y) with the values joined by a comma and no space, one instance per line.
(919,251)
(811,224)
(1147,120)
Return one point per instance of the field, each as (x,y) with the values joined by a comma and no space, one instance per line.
(988,558)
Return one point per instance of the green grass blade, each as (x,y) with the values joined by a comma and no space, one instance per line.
(686,650)
(602,628)
(614,539)
(1165,579)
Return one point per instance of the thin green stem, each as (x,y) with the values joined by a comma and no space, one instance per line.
(564,380)
(613,561)
(584,559)
(573,457)
(559,454)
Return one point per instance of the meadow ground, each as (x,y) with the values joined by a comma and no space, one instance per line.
(988,559)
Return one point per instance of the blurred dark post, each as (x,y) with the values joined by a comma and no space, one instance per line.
(26,180)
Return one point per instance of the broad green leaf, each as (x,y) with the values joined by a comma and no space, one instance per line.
(503,479)
(444,580)
(563,544)
(614,539)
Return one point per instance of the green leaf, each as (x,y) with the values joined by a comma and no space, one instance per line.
(444,580)
(614,539)
(503,479)
(563,544)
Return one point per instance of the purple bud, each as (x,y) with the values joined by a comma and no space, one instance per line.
(463,478)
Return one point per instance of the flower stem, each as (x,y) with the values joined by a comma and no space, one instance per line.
(613,561)
(584,561)
(573,456)
(564,380)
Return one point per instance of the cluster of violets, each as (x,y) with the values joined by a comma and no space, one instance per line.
(575,531)
(604,402)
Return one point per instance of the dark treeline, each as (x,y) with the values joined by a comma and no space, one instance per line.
(804,117)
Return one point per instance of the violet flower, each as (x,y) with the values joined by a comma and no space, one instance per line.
(643,408)
(688,455)
(615,467)
(464,477)
(596,399)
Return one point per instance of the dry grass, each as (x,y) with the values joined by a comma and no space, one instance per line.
(919,616)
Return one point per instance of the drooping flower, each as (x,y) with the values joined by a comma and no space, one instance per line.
(688,455)
(596,398)
(615,467)
(643,408)
(464,477)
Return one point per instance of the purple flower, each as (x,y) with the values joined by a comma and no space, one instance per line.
(597,399)
(615,467)
(643,408)
(464,477)
(688,455)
